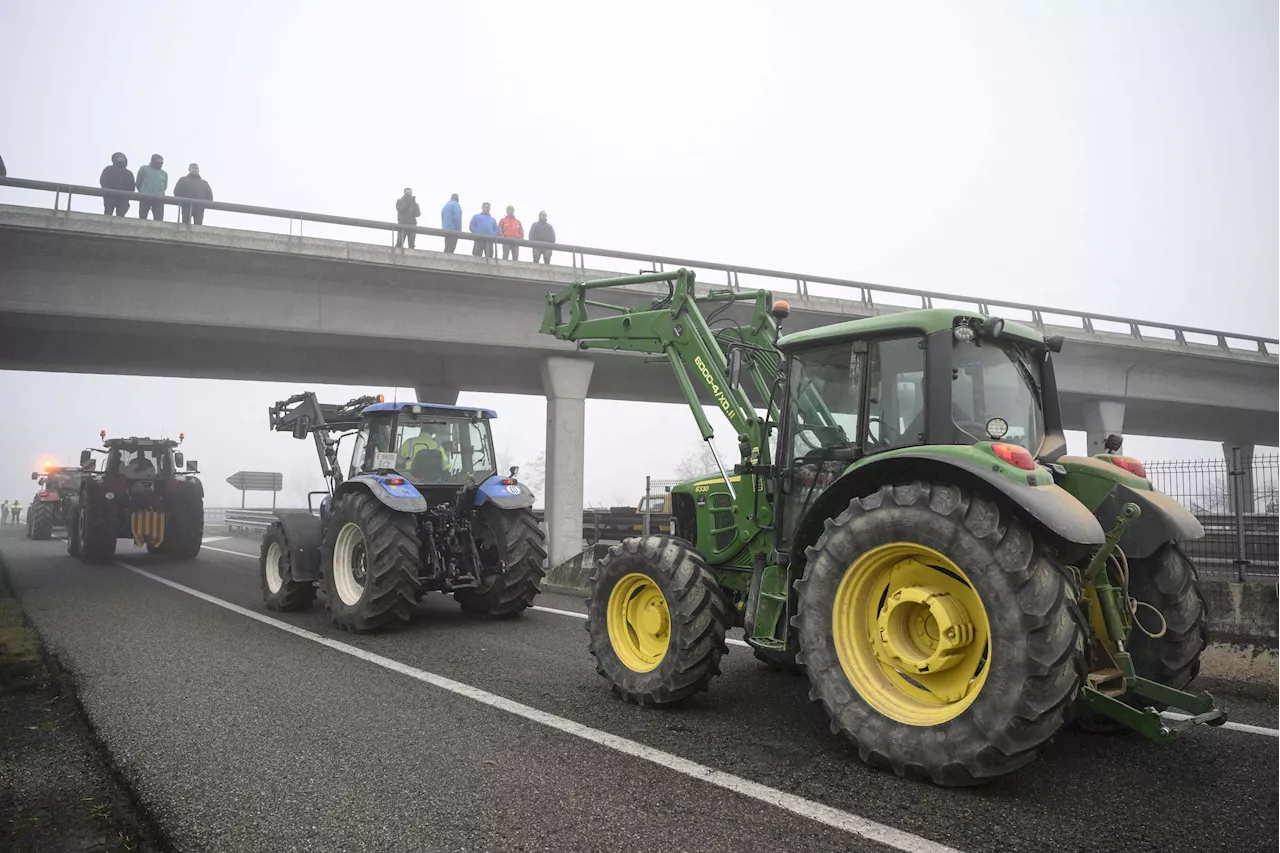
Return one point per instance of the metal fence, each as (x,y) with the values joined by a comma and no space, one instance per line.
(1236,500)
(871,297)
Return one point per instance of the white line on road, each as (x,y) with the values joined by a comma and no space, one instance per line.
(232,553)
(214,538)
(834,818)
(730,640)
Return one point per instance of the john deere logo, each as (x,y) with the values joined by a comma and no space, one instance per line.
(721,399)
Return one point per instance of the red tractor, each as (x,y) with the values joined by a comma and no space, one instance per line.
(51,506)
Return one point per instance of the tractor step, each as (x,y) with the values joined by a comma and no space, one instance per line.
(463,582)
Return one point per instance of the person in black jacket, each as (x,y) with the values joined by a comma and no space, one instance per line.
(191,185)
(116,177)
(542,232)
(407,213)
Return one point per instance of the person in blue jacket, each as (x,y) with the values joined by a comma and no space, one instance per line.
(483,223)
(451,220)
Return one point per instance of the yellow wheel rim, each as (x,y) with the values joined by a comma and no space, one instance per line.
(911,634)
(639,622)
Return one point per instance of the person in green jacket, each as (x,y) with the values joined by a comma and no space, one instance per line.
(153,180)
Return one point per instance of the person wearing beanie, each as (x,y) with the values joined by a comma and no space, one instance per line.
(542,232)
(116,177)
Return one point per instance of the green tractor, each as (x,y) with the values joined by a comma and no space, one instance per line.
(904,526)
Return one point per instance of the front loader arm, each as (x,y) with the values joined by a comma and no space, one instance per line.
(673,327)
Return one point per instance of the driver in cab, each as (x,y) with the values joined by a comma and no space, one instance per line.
(424,455)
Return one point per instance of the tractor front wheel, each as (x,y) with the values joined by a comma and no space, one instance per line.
(512,547)
(279,590)
(370,564)
(656,619)
(942,638)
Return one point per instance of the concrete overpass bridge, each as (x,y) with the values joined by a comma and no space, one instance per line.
(159,298)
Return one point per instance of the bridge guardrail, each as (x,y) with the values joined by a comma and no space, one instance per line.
(796,282)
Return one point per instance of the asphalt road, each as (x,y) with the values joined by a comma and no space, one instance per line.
(280,733)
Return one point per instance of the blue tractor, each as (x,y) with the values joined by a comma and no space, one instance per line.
(421,508)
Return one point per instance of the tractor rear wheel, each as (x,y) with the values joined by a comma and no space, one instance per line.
(656,619)
(73,532)
(511,540)
(943,639)
(370,564)
(1167,581)
(40,520)
(97,529)
(279,590)
(183,530)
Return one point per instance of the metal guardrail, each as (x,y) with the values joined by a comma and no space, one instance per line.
(797,282)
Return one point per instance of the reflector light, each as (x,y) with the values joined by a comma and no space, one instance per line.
(1016,456)
(508,482)
(1128,463)
(395,481)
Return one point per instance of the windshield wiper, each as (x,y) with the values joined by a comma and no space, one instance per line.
(1029,378)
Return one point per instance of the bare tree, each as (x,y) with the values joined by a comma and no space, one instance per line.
(534,474)
(698,462)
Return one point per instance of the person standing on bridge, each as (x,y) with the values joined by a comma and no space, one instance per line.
(116,177)
(483,223)
(542,232)
(407,213)
(511,227)
(191,185)
(451,220)
(152,180)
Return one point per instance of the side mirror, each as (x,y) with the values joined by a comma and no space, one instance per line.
(1053,343)
(515,469)
(177,459)
(42,481)
(35,475)
(193,466)
(86,458)
(735,368)
(301,426)
(1112,443)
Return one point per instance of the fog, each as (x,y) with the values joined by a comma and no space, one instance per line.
(1117,158)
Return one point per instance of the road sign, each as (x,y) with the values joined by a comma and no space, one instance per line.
(257,481)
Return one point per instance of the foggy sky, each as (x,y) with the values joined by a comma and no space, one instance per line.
(1119,158)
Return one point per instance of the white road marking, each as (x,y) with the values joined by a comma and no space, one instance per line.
(214,538)
(1235,727)
(832,817)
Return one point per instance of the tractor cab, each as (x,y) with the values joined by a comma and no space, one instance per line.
(137,458)
(429,445)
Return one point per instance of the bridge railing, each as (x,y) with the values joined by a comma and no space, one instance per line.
(871,297)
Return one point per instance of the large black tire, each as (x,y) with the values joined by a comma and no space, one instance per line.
(97,529)
(698,616)
(512,539)
(389,566)
(1031,604)
(279,590)
(73,532)
(183,530)
(1168,581)
(40,520)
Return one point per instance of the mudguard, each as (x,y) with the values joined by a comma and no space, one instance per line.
(1105,488)
(305,536)
(402,497)
(514,496)
(1033,495)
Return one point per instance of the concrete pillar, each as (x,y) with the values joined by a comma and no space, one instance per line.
(565,381)
(1239,458)
(428,392)
(1102,418)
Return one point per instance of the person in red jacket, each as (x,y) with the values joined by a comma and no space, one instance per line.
(510,227)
